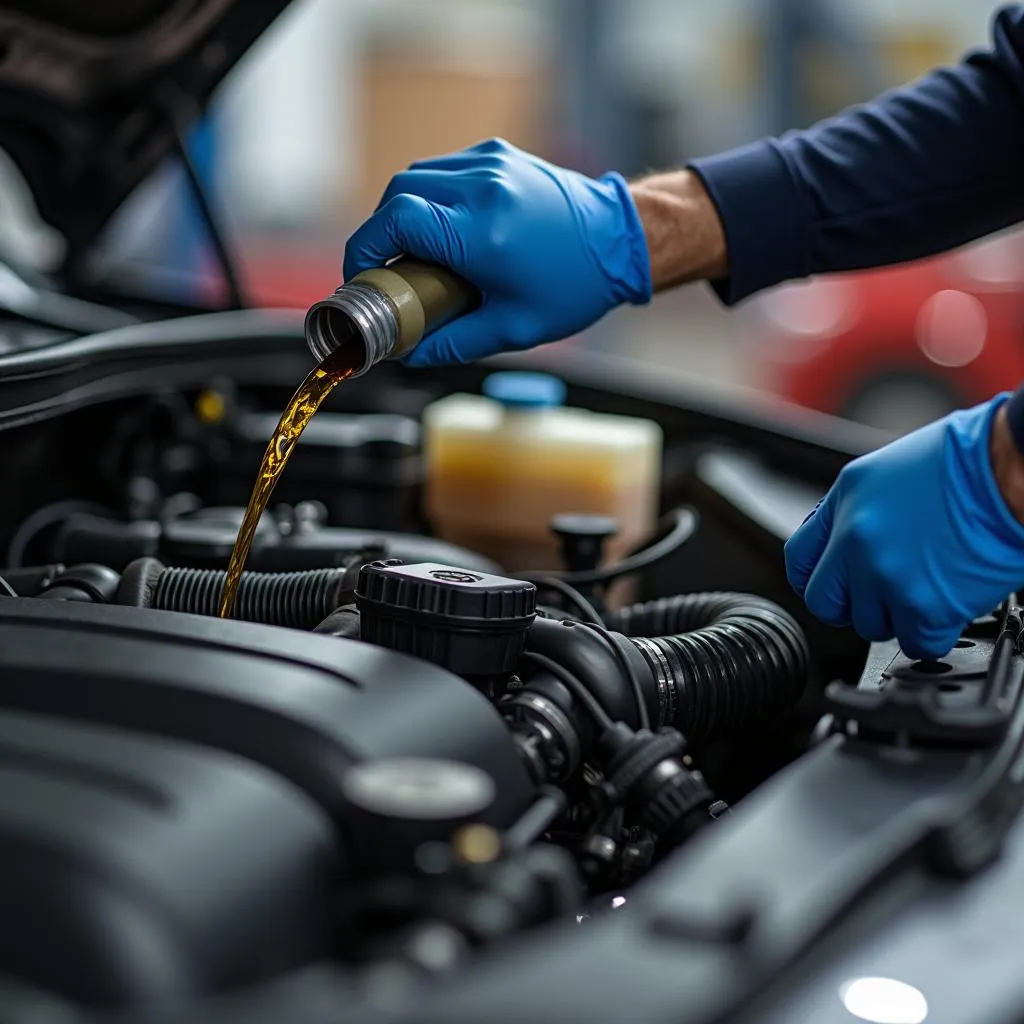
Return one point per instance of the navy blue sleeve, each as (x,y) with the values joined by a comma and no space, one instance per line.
(920,170)
(1015,417)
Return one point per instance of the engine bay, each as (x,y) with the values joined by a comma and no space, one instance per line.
(406,783)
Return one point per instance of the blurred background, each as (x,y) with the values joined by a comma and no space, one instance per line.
(343,93)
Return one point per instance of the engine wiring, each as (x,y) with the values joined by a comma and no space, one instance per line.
(677,527)
(592,620)
(574,685)
(45,517)
(554,584)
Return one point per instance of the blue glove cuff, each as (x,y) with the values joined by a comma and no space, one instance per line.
(628,265)
(1015,418)
(969,435)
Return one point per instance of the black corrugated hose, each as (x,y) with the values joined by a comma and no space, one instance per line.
(299,600)
(726,659)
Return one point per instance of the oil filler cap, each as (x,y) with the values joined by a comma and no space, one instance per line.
(419,789)
(471,623)
(397,804)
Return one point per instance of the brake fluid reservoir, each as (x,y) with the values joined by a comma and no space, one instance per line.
(502,464)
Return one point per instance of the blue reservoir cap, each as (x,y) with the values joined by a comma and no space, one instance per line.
(525,390)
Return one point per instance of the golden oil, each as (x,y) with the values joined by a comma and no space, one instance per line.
(309,396)
(380,314)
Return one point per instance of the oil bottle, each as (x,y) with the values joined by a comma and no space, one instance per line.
(383,313)
(379,314)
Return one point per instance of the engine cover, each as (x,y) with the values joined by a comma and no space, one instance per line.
(159,749)
(136,870)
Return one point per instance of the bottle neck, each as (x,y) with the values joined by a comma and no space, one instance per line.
(358,316)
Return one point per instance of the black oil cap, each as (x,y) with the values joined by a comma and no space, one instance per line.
(472,623)
(396,804)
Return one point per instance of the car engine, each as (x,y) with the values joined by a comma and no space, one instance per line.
(402,783)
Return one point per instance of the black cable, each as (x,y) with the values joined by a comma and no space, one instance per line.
(173,105)
(593,620)
(629,671)
(48,515)
(574,686)
(684,522)
(683,525)
(571,594)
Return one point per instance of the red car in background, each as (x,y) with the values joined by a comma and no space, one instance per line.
(899,347)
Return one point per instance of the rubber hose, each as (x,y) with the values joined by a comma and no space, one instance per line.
(300,600)
(727,661)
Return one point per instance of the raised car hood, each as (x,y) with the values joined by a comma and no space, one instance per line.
(90,91)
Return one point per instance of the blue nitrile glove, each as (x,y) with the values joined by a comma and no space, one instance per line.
(913,540)
(551,250)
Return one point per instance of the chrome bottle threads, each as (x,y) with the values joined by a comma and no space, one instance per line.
(384,313)
(357,315)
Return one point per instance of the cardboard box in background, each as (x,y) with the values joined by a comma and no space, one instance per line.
(411,109)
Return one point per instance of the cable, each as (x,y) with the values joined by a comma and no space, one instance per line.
(683,525)
(593,620)
(684,522)
(571,594)
(5,586)
(47,515)
(574,686)
(629,671)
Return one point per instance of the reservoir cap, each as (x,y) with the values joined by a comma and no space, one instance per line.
(471,623)
(523,390)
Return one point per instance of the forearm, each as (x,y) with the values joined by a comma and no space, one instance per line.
(685,239)
(918,171)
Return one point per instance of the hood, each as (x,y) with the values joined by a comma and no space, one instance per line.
(90,92)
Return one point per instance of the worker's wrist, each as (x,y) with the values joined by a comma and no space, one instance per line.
(1007,463)
(685,239)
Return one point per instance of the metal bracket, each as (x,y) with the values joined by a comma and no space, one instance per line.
(964,699)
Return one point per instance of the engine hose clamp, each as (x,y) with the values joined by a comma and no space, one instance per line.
(667,696)
(550,719)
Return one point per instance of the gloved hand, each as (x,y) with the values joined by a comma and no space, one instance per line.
(551,250)
(914,540)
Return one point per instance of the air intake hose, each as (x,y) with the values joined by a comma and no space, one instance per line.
(299,600)
(721,661)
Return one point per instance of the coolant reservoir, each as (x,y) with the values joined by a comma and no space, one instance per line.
(500,465)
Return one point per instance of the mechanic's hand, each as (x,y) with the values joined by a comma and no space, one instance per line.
(914,540)
(552,251)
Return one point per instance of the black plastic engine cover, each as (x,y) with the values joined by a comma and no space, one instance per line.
(303,705)
(137,870)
